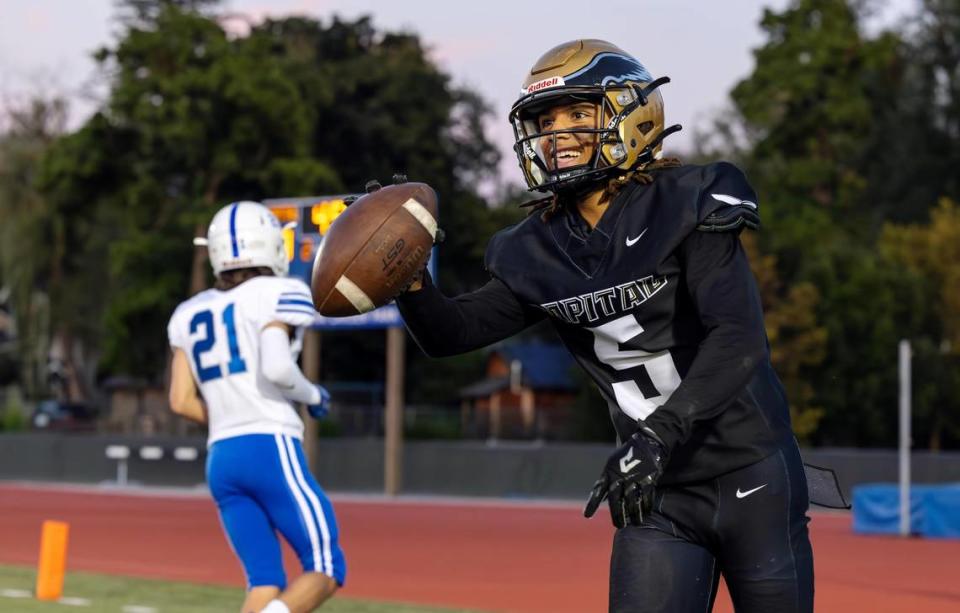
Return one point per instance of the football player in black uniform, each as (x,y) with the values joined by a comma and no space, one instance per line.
(637,263)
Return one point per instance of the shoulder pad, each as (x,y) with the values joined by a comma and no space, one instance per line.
(292,303)
(500,245)
(727,201)
(490,256)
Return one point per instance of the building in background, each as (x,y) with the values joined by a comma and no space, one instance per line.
(137,406)
(528,392)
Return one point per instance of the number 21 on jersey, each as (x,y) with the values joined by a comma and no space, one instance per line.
(203,322)
(652,377)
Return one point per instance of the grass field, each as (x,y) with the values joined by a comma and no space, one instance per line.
(107,594)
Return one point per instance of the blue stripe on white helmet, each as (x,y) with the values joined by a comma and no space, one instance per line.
(246,235)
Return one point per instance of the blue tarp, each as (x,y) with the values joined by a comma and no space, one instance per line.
(934,509)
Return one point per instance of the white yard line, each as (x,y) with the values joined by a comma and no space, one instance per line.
(73,601)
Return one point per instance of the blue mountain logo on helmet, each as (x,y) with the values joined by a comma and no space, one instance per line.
(608,68)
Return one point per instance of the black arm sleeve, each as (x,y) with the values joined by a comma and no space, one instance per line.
(447,326)
(725,296)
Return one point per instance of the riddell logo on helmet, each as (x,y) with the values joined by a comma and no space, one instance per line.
(551,82)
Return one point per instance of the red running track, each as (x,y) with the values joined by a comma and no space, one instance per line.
(492,556)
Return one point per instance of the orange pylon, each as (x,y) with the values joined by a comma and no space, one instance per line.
(53,560)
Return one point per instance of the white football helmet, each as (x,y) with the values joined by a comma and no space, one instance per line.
(245,235)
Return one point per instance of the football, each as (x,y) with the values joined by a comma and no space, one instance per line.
(374,249)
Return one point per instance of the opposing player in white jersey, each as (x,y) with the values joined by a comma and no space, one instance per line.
(234,368)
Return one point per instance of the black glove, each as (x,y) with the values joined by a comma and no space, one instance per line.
(418,277)
(629,478)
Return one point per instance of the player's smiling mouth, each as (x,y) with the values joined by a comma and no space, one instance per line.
(568,157)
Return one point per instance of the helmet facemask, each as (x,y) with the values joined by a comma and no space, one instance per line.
(626,134)
(540,150)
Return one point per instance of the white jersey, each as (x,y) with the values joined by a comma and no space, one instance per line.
(220,333)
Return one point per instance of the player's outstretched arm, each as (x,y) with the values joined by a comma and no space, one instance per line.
(184,399)
(278,366)
(445,326)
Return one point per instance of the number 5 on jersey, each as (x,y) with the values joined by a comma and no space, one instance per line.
(204,319)
(653,377)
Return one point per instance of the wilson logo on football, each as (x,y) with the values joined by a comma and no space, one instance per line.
(544,84)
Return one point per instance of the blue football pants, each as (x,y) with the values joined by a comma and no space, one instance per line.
(262,485)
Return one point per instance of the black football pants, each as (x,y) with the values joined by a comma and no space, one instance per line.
(749,525)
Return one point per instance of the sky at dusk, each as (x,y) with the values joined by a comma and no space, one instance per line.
(705,46)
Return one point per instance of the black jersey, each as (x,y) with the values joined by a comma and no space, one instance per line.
(665,318)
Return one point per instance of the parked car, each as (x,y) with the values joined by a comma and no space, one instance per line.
(69,416)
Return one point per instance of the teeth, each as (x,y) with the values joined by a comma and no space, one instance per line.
(568,154)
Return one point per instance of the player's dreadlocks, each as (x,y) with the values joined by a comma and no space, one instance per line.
(549,206)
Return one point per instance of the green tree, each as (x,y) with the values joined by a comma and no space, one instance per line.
(382,107)
(931,254)
(935,90)
(810,102)
(846,134)
(797,341)
(817,113)
(195,119)
(36,248)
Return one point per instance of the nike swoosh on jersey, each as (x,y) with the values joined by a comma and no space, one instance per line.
(748,492)
(633,241)
(733,200)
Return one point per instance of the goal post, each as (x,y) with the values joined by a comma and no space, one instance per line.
(905,355)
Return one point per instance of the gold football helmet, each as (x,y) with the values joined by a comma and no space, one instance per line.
(628,129)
